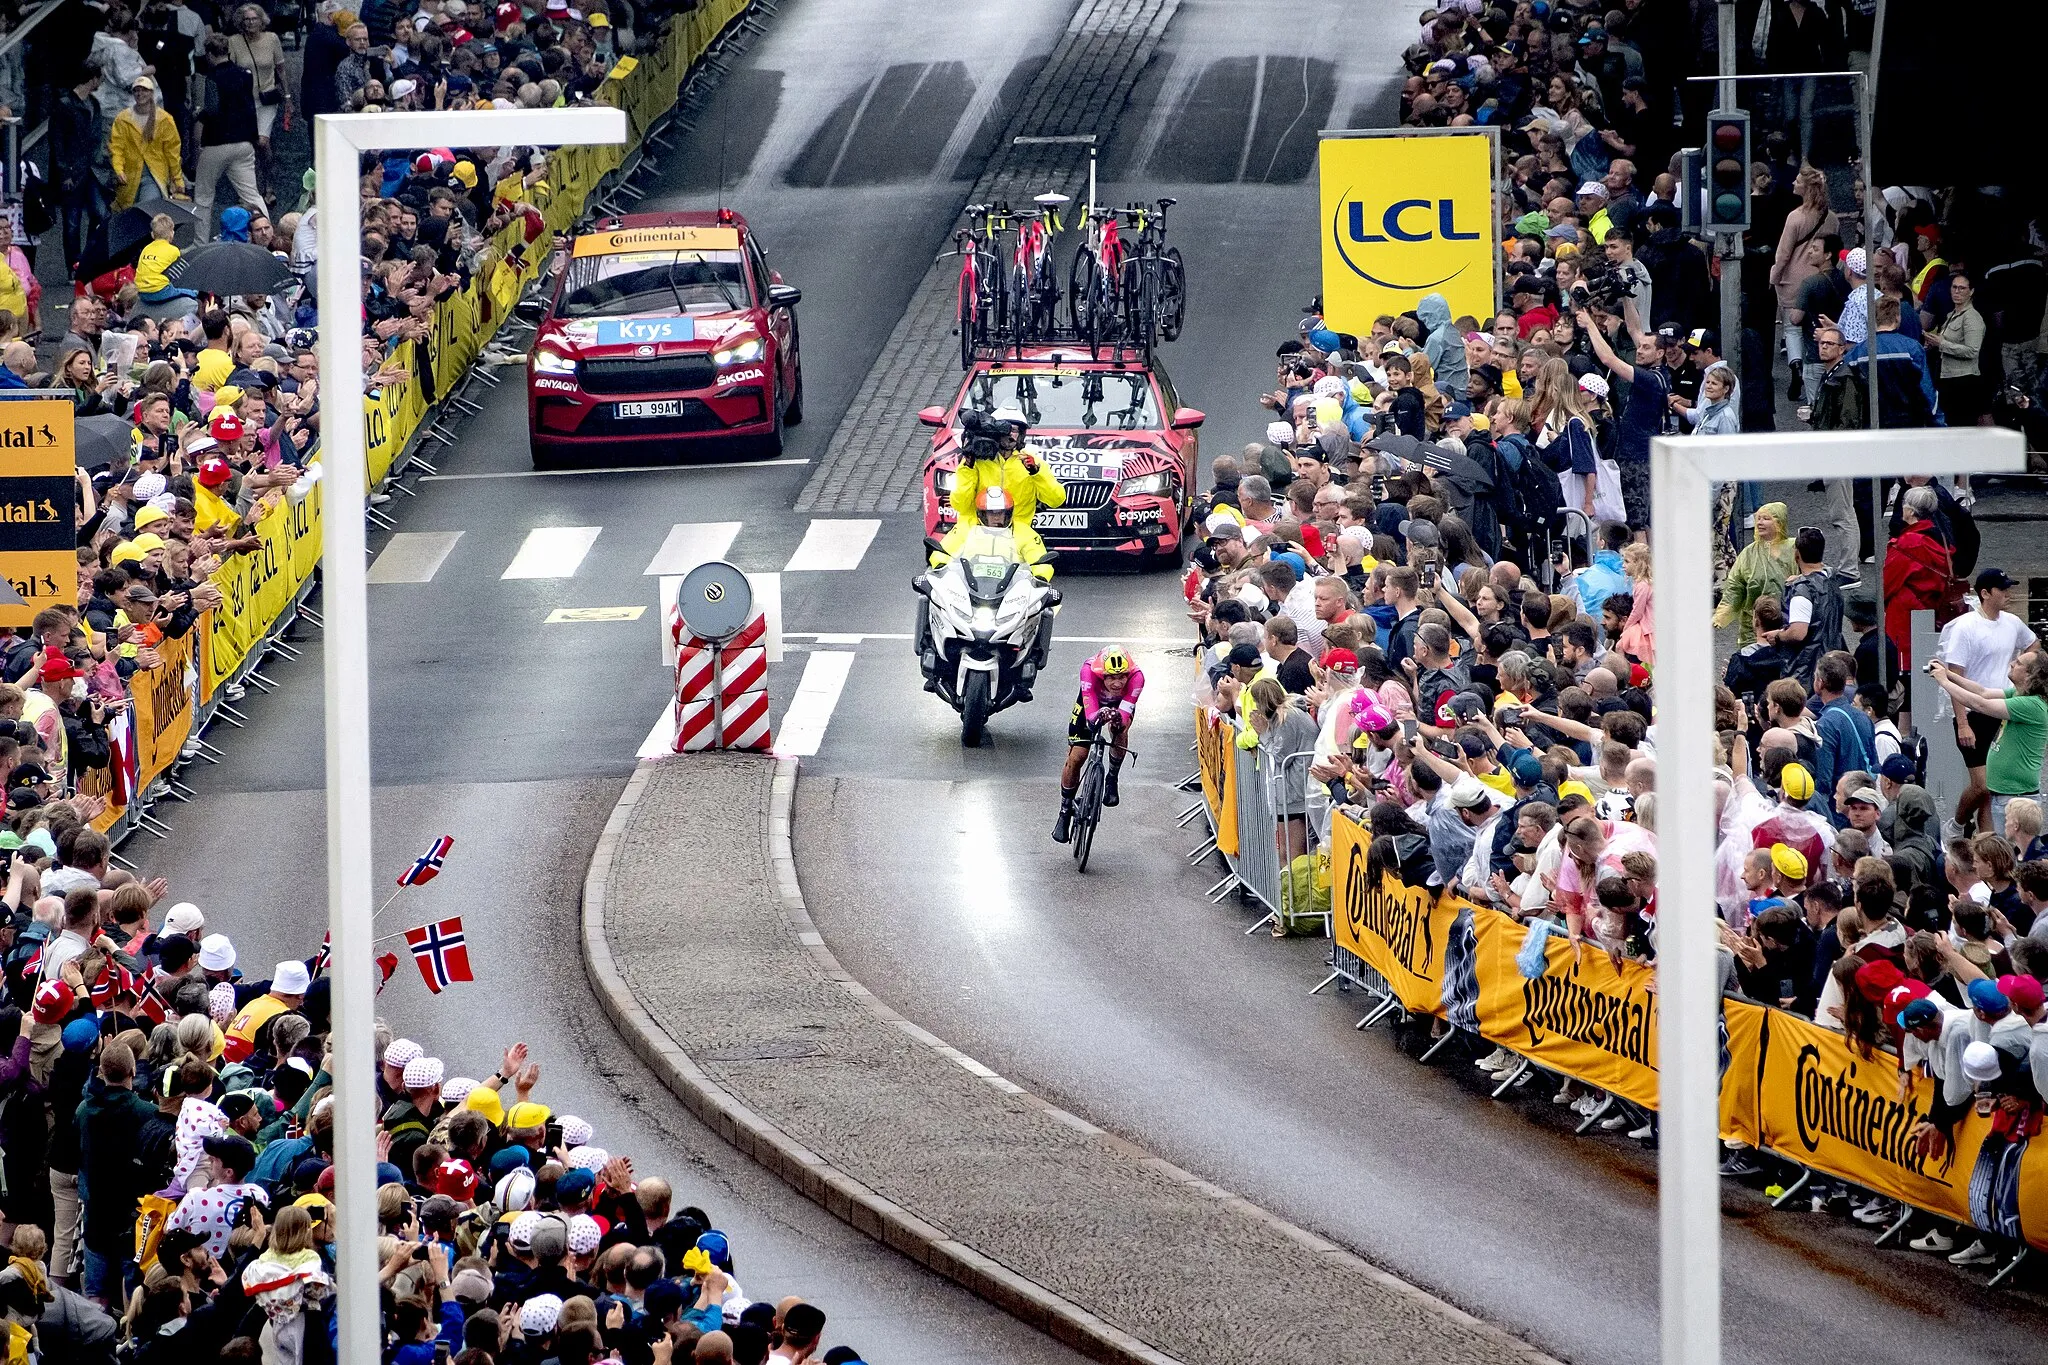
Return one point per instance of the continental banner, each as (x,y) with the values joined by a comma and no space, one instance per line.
(1585,1016)
(1823,1106)
(1405,215)
(1745,1023)
(1399,931)
(163,706)
(1213,741)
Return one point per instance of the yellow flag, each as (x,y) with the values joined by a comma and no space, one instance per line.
(209,511)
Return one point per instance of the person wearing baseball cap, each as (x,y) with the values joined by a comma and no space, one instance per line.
(2012,760)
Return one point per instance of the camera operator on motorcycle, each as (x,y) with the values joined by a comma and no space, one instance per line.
(1110,686)
(993,456)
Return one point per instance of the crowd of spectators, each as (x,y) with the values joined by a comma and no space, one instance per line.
(1485,706)
(166,1121)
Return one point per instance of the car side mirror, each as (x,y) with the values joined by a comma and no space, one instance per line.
(1187,418)
(532,310)
(932,417)
(784,296)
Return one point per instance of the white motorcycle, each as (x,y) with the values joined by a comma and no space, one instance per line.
(984,628)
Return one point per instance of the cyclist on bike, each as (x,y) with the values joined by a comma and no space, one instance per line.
(1110,686)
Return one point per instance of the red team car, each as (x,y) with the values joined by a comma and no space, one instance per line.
(663,328)
(1111,430)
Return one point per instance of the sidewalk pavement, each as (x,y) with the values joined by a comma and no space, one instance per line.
(696,939)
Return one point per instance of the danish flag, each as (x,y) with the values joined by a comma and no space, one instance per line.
(428,865)
(442,955)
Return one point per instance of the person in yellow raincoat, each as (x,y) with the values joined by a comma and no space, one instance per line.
(1024,480)
(994,513)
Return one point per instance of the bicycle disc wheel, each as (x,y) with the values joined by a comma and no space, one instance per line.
(1087,815)
(1080,279)
(1023,322)
(1105,319)
(1140,319)
(1173,294)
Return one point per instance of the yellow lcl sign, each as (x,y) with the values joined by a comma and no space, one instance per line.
(1402,217)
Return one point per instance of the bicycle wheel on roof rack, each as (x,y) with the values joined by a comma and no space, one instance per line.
(1141,326)
(1045,300)
(1173,294)
(1105,318)
(1080,279)
(1018,287)
(970,312)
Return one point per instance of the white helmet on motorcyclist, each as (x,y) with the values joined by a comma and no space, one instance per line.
(992,507)
(1015,417)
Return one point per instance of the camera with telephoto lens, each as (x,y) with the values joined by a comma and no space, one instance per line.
(1601,286)
(980,436)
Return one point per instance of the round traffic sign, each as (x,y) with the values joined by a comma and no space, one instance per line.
(715,600)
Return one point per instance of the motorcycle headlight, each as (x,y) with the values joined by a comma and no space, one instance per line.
(546,361)
(984,618)
(1162,482)
(944,479)
(740,353)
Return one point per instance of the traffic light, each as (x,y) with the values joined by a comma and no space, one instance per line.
(1692,187)
(1727,206)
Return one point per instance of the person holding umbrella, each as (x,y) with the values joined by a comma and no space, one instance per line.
(148,155)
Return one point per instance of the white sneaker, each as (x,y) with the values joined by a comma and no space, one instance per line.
(1976,1253)
(1496,1062)
(234,691)
(1614,1123)
(1644,1133)
(1875,1212)
(1934,1241)
(1585,1104)
(1564,1094)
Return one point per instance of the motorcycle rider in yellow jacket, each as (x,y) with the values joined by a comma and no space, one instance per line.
(1024,480)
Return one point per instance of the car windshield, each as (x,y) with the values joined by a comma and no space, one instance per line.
(654,281)
(1069,399)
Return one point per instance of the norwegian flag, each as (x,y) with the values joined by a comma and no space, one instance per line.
(428,866)
(122,771)
(442,955)
(326,953)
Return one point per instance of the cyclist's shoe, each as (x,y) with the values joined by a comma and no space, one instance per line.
(1109,797)
(1062,828)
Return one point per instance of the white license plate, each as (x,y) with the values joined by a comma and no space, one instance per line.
(1061,521)
(660,407)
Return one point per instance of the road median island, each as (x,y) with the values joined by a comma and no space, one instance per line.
(696,940)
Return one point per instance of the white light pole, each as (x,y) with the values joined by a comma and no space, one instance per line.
(1683,471)
(338,141)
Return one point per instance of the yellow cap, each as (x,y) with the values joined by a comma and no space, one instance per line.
(465,171)
(149,516)
(528,1114)
(485,1101)
(150,540)
(1575,788)
(211,370)
(1789,861)
(315,1204)
(1797,782)
(226,396)
(125,553)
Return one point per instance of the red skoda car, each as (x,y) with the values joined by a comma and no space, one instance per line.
(664,328)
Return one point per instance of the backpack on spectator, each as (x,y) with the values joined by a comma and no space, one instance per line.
(1531,502)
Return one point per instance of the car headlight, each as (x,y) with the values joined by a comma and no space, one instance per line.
(944,479)
(750,349)
(552,362)
(1162,482)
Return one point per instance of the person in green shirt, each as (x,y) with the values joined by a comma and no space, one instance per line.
(2012,768)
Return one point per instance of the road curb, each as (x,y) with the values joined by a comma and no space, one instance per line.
(853,1202)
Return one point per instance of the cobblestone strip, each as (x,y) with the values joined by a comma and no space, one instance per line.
(871,463)
(697,941)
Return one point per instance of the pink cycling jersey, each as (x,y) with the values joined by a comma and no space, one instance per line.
(1093,694)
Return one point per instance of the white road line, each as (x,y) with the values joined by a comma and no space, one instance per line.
(412,556)
(552,552)
(662,738)
(810,710)
(619,469)
(690,543)
(832,545)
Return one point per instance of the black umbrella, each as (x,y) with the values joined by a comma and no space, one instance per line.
(102,440)
(1458,468)
(1398,444)
(117,243)
(228,268)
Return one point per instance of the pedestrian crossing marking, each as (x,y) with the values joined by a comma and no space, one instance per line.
(552,552)
(412,556)
(817,695)
(563,615)
(690,543)
(833,545)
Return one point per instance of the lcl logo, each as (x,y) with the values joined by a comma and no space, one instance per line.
(1404,220)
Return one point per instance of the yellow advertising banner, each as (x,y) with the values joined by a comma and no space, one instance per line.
(1399,931)
(38,508)
(1214,749)
(1822,1105)
(1585,1016)
(162,709)
(1745,1023)
(1404,216)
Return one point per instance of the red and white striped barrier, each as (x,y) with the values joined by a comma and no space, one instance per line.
(721,689)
